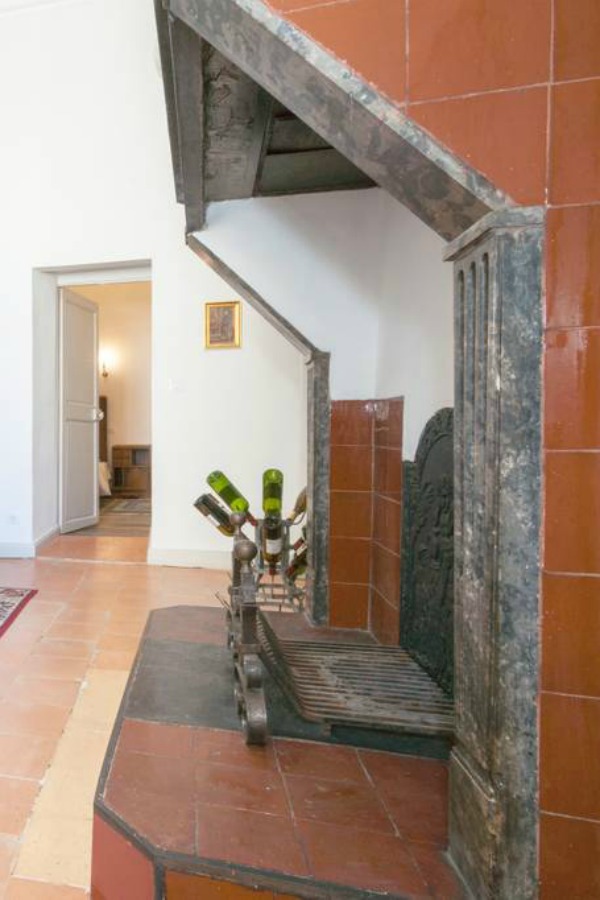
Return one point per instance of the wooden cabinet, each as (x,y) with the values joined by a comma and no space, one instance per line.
(132,468)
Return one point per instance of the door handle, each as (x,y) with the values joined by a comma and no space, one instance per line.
(98,415)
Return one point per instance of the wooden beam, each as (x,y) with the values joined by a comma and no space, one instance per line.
(309,170)
(188,81)
(164,44)
(362,124)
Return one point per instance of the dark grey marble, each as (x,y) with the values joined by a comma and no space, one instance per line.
(494,773)
(346,111)
(427,595)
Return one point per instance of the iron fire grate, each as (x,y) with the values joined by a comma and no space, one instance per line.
(361,685)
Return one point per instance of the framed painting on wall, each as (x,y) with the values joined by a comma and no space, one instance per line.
(222,325)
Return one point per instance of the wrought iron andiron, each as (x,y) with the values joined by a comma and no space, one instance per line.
(242,621)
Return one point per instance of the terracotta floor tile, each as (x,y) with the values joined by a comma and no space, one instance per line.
(16,801)
(116,660)
(99,700)
(149,774)
(227,747)
(68,649)
(354,857)
(38,719)
(21,889)
(172,741)
(319,761)
(439,875)
(165,819)
(235,787)
(49,691)
(56,849)
(76,631)
(8,851)
(415,793)
(119,642)
(56,667)
(337,803)
(25,756)
(249,839)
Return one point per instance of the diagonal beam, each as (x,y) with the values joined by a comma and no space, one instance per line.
(349,113)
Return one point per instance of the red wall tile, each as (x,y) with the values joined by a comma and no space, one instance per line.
(470,46)
(194,887)
(350,514)
(387,523)
(350,560)
(501,135)
(569,859)
(385,574)
(573,266)
(572,512)
(385,620)
(569,755)
(349,605)
(574,145)
(571,635)
(572,389)
(351,468)
(118,868)
(368,34)
(577,39)
(352,422)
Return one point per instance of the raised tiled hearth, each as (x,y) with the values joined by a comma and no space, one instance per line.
(190,807)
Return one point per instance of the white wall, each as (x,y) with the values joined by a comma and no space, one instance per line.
(124,320)
(86,179)
(415,344)
(316,259)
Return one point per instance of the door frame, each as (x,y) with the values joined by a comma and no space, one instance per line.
(47,282)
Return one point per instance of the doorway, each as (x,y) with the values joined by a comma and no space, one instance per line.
(115,356)
(124,458)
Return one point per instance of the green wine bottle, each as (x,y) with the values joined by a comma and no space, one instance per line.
(216,513)
(272,492)
(230,495)
(272,541)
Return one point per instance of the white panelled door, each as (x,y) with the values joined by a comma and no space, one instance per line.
(78,494)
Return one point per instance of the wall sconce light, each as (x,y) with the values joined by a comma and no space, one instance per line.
(106,361)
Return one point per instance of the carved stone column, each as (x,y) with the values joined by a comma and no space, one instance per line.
(497,453)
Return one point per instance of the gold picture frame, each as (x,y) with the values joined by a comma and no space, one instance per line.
(223,325)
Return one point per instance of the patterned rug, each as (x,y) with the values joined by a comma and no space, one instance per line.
(12,602)
(132,505)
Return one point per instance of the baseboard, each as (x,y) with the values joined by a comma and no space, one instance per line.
(194,559)
(46,536)
(17,551)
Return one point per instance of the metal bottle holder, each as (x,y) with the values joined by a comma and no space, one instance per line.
(247,593)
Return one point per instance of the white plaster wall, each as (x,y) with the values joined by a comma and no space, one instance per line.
(125,331)
(317,259)
(415,344)
(86,179)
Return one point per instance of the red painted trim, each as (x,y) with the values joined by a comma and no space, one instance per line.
(17,611)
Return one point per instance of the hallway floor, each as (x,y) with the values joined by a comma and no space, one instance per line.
(64,664)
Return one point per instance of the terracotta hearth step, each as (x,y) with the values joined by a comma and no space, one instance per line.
(184,807)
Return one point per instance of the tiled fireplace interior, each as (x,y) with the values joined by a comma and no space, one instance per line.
(366,512)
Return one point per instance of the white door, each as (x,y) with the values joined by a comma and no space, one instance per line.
(78,490)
